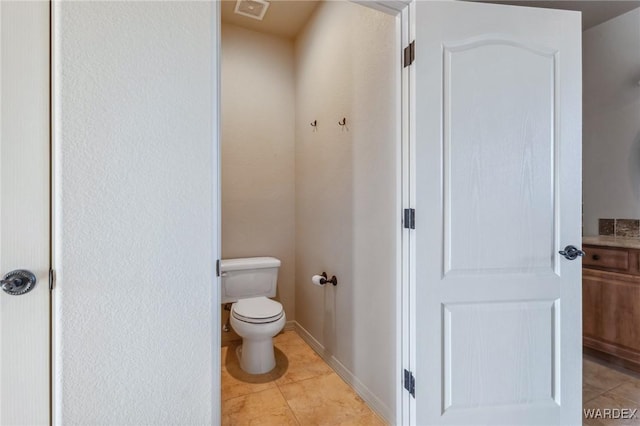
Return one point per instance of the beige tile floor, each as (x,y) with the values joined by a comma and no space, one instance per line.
(301,390)
(608,386)
(304,390)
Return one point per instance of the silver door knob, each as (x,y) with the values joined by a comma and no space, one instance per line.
(571,252)
(18,282)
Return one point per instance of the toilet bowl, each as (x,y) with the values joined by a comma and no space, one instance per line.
(249,283)
(257,320)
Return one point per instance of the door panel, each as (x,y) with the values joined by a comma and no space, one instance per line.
(24,210)
(472,333)
(497,195)
(518,166)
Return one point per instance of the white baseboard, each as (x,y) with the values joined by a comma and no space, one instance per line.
(372,400)
(289,326)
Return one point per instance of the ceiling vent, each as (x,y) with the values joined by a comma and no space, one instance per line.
(252,8)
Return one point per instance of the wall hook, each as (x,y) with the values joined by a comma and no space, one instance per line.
(314,123)
(324,280)
(343,122)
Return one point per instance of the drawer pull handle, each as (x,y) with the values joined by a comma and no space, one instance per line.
(596,257)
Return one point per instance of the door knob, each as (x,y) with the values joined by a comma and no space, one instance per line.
(571,252)
(18,282)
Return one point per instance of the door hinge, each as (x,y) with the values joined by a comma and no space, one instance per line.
(409,55)
(410,218)
(218,268)
(410,383)
(52,279)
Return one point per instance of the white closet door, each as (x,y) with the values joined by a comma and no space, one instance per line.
(24,210)
(498,193)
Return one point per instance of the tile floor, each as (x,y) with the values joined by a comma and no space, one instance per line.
(304,390)
(301,390)
(608,386)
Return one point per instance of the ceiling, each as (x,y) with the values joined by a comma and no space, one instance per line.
(593,12)
(286,18)
(283,18)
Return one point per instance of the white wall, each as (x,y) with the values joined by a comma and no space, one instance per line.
(611,142)
(346,186)
(258,116)
(135,184)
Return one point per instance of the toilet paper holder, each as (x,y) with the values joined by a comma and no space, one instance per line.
(325,279)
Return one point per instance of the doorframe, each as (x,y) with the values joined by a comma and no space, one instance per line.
(401,10)
(405,178)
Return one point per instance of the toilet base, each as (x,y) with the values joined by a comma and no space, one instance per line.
(256,356)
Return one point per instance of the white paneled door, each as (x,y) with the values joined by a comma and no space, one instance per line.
(497,196)
(24,211)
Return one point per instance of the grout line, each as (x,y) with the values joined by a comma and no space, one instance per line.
(627,379)
(319,360)
(353,416)
(318,376)
(591,399)
(618,396)
(289,405)
(611,388)
(249,394)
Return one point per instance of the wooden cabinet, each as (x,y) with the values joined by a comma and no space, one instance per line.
(611,304)
(607,258)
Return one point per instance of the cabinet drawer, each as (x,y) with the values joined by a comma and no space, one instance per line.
(606,258)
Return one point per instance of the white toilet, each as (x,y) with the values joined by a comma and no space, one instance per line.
(248,283)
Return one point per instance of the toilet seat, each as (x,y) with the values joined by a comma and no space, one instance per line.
(257,310)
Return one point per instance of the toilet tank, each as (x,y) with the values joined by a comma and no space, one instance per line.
(248,277)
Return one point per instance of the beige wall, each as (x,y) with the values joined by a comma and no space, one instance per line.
(345,191)
(611,141)
(258,152)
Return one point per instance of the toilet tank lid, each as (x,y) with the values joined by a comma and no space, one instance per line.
(248,263)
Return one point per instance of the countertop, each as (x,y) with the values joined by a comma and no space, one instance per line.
(611,241)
